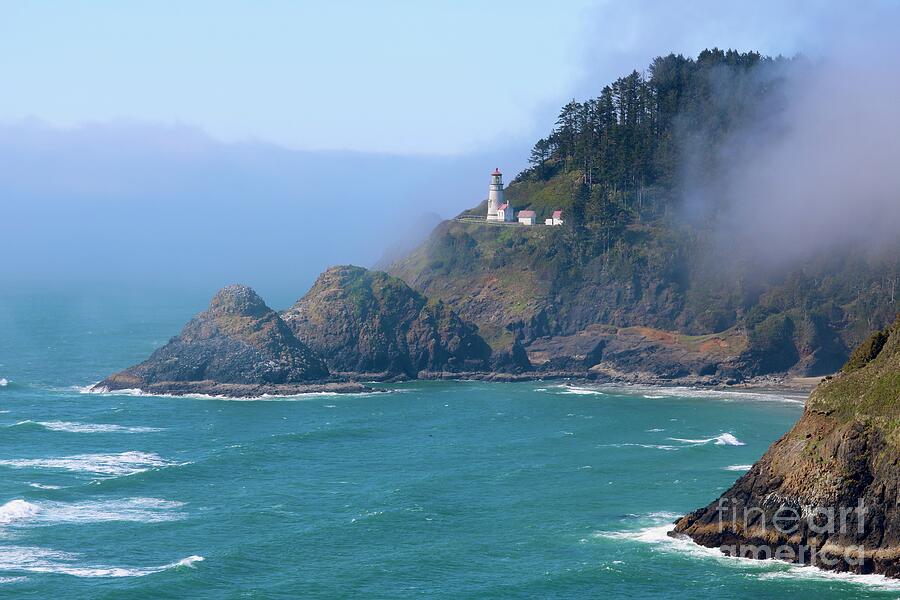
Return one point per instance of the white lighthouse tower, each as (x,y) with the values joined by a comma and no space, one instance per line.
(497,210)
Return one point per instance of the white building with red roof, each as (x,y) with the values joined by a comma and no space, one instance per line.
(527,217)
(555,219)
(497,210)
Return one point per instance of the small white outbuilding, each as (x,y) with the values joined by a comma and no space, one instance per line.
(527,217)
(556,219)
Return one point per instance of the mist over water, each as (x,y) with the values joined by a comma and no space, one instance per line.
(136,203)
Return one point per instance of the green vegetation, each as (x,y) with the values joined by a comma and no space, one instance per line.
(868,389)
(618,165)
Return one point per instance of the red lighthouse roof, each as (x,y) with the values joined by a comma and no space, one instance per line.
(496,171)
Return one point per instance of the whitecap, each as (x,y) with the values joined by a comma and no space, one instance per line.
(654,430)
(139,510)
(12,579)
(44,486)
(738,467)
(114,465)
(629,444)
(581,391)
(17,510)
(4,382)
(74,427)
(723,439)
(32,559)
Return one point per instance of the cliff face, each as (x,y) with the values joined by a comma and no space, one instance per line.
(237,340)
(365,321)
(827,492)
(660,275)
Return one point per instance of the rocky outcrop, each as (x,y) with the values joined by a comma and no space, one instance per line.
(367,322)
(641,353)
(827,492)
(238,346)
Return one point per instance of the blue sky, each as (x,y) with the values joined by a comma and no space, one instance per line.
(262,141)
(440,77)
(437,77)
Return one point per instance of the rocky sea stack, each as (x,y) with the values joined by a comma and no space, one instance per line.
(827,492)
(237,347)
(368,322)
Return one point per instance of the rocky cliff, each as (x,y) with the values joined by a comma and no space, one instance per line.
(238,346)
(827,492)
(367,322)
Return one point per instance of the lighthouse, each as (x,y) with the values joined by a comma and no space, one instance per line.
(497,210)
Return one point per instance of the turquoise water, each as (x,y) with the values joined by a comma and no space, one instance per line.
(438,489)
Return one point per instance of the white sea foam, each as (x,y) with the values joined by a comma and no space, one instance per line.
(727,395)
(738,467)
(723,439)
(655,430)
(94,389)
(12,579)
(581,391)
(651,446)
(74,427)
(32,559)
(809,572)
(17,510)
(657,534)
(140,510)
(44,486)
(114,465)
(3,382)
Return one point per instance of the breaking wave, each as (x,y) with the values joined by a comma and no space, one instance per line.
(93,389)
(657,534)
(581,391)
(139,510)
(728,395)
(738,467)
(723,439)
(630,444)
(75,427)
(32,559)
(112,465)
(4,382)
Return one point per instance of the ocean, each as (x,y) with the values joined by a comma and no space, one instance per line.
(434,489)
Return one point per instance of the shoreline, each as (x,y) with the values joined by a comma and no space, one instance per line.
(763,384)
(214,389)
(356,383)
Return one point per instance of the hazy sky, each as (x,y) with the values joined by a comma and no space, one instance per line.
(403,76)
(261,141)
(436,77)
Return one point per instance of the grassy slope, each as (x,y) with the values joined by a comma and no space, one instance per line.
(867,391)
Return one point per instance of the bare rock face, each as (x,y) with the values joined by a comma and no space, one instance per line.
(238,340)
(827,492)
(367,322)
